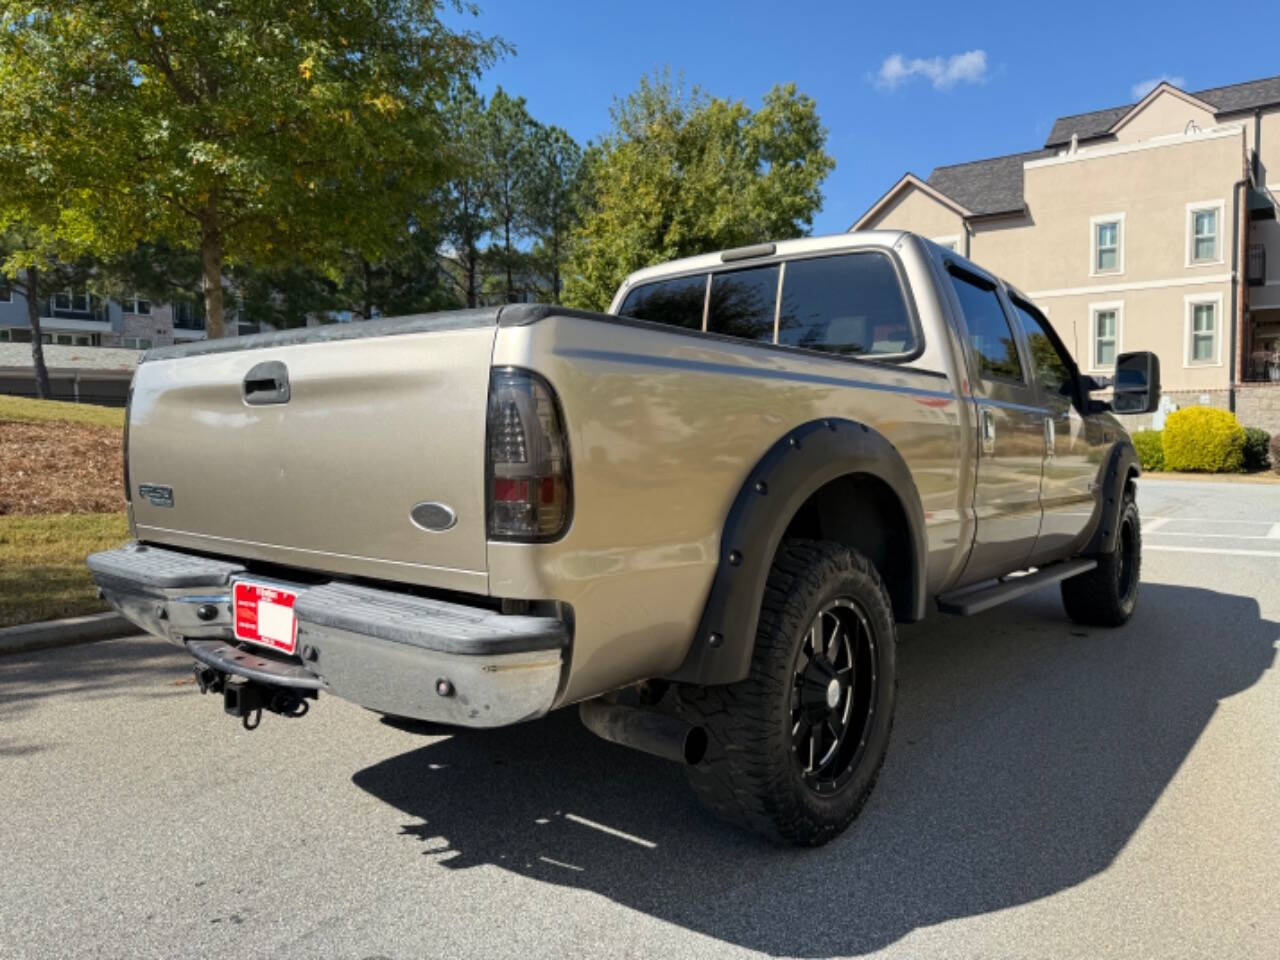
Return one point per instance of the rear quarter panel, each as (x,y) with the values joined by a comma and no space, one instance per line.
(664,428)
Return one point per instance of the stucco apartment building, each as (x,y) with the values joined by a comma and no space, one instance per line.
(1149,226)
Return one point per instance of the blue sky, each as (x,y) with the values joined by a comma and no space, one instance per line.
(971,81)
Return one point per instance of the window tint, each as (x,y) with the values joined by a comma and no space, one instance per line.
(850,304)
(676,302)
(1052,369)
(990,336)
(742,303)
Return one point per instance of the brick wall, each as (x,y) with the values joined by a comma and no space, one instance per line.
(1259,406)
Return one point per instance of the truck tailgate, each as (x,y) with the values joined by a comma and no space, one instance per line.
(327,478)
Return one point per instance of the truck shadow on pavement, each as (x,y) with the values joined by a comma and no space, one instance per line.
(1026,753)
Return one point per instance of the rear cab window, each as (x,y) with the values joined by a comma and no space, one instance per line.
(743,303)
(848,304)
(677,302)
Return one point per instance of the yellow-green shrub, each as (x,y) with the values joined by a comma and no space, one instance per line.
(1150,447)
(1203,439)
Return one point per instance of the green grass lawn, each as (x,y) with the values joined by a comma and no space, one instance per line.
(42,571)
(24,410)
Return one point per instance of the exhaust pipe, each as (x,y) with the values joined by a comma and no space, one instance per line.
(645,730)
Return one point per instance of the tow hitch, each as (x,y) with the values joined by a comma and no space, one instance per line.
(247,699)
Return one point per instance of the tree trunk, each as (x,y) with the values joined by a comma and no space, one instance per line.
(367,308)
(555,267)
(211,265)
(507,255)
(471,276)
(43,390)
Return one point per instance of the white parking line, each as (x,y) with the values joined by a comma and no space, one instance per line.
(1219,536)
(614,832)
(1154,524)
(1274,532)
(1211,550)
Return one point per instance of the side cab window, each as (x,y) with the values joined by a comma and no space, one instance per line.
(991,338)
(1055,371)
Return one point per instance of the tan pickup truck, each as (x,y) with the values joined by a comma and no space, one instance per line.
(699,516)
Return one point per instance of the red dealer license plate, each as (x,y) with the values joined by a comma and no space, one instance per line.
(264,615)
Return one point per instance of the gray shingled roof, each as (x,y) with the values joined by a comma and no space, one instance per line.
(61,357)
(985,186)
(1229,99)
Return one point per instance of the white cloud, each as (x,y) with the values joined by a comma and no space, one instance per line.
(943,73)
(1140,90)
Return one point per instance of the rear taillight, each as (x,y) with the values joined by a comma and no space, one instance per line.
(527,459)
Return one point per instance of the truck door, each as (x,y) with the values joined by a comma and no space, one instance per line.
(1071,460)
(1011,431)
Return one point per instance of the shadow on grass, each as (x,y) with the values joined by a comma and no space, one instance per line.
(1027,752)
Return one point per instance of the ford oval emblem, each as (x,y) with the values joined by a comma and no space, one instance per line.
(433,517)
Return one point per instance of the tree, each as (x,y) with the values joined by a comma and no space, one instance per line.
(465,217)
(551,199)
(409,279)
(259,131)
(30,266)
(684,174)
(507,166)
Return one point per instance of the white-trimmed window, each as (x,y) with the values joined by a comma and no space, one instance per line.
(951,243)
(1204,232)
(1105,320)
(1107,249)
(1203,345)
(76,301)
(137,305)
(136,343)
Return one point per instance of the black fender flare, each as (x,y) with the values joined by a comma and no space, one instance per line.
(795,467)
(1121,464)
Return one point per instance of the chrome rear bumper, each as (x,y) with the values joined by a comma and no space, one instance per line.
(392,652)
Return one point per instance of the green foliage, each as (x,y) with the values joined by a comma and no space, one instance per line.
(1275,453)
(1203,439)
(264,132)
(1256,443)
(1150,447)
(552,200)
(680,174)
(506,137)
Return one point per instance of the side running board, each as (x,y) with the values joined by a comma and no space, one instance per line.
(984,596)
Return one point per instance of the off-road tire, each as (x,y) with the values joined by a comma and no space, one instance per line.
(1107,595)
(751,777)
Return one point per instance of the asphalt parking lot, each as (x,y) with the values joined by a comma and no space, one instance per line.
(1050,791)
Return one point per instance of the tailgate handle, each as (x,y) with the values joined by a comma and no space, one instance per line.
(267,382)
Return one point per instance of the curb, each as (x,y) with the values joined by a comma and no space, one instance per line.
(1261,477)
(64,633)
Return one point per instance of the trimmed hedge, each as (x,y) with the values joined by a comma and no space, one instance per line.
(1150,447)
(1203,440)
(1275,453)
(1256,442)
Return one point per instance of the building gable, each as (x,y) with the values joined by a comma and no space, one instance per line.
(1165,110)
(912,204)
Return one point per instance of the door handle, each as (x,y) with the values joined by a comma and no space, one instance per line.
(266,382)
(988,431)
(1049,436)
